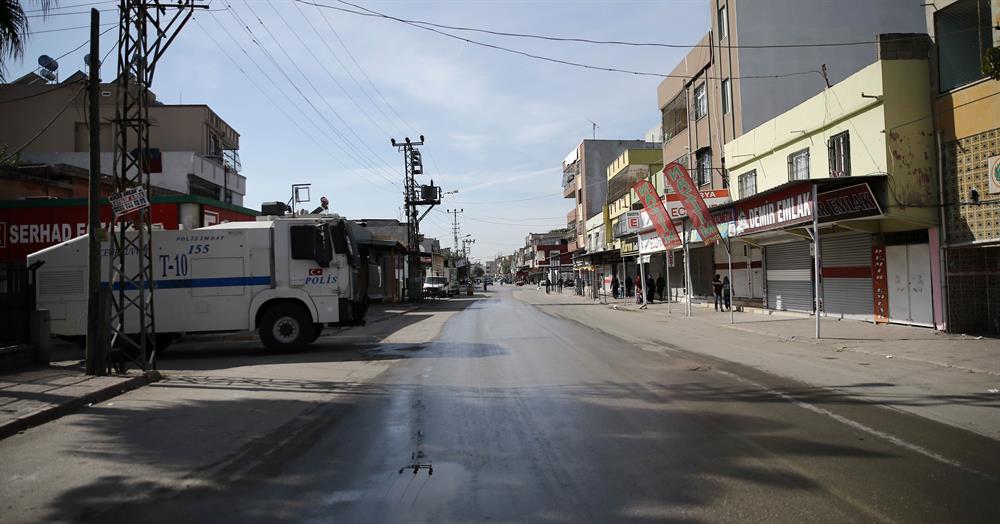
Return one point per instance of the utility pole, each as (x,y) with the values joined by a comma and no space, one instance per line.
(95,362)
(454,224)
(465,246)
(145,31)
(414,195)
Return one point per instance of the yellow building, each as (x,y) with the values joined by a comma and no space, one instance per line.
(966,110)
(860,156)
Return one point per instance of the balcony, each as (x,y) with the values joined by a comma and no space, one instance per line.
(569,190)
(571,217)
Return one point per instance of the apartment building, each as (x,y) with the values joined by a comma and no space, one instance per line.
(743,72)
(584,180)
(864,150)
(199,151)
(966,104)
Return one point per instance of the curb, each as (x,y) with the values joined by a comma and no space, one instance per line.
(54,412)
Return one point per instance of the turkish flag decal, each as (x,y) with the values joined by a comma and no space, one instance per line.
(315,271)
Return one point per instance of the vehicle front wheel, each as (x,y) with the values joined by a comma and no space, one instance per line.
(286,327)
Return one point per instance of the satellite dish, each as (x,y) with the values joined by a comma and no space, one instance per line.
(48,62)
(86,61)
(48,75)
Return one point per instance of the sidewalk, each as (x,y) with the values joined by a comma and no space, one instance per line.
(919,344)
(953,379)
(35,396)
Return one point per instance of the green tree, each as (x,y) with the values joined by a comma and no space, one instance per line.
(477,272)
(14,29)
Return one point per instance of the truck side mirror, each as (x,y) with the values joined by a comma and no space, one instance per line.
(322,245)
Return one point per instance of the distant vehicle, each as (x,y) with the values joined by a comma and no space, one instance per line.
(519,283)
(285,277)
(436,287)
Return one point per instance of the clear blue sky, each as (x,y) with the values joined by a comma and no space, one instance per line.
(497,125)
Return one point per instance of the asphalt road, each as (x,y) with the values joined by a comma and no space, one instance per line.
(490,410)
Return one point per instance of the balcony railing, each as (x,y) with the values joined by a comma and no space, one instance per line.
(571,217)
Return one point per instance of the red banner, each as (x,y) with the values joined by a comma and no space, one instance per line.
(701,219)
(657,213)
(880,285)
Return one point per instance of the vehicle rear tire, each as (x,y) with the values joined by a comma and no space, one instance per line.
(286,327)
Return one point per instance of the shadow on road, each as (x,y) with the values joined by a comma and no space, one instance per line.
(246,460)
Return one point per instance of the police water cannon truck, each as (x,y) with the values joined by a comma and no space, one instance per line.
(285,276)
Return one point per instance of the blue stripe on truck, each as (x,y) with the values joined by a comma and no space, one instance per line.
(200,282)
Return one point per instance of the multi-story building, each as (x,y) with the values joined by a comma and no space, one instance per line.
(744,72)
(966,106)
(859,159)
(547,255)
(199,152)
(584,181)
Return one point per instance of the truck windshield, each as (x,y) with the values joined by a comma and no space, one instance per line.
(436,280)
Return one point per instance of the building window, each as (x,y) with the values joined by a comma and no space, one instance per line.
(723,23)
(700,101)
(748,184)
(839,149)
(963,34)
(798,165)
(675,117)
(704,162)
(727,96)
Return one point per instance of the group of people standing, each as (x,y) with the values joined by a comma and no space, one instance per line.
(653,288)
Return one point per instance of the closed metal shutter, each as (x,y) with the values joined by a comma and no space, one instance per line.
(789,276)
(847,281)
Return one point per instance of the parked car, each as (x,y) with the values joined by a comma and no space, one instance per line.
(436,287)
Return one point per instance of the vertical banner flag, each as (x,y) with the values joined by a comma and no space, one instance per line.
(657,213)
(701,219)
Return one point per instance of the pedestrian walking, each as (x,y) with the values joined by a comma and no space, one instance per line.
(638,289)
(726,292)
(650,288)
(560,283)
(717,291)
(615,286)
(546,286)
(661,285)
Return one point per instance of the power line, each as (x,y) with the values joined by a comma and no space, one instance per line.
(71,6)
(359,156)
(32,33)
(362,69)
(372,13)
(506,201)
(332,77)
(284,93)
(344,67)
(343,145)
(72,99)
(271,100)
(40,93)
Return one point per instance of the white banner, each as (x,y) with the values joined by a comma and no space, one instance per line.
(994,174)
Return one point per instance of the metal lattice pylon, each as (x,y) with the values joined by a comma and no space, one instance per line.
(130,276)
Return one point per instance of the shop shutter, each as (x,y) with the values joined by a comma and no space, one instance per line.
(847,282)
(789,276)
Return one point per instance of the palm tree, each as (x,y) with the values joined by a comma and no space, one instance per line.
(14,29)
